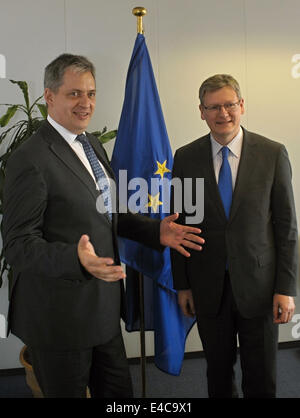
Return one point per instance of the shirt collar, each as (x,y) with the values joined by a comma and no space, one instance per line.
(67,135)
(235,145)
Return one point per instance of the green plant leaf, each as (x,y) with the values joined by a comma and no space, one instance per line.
(35,103)
(99,133)
(8,115)
(43,109)
(105,137)
(108,136)
(36,123)
(5,133)
(24,87)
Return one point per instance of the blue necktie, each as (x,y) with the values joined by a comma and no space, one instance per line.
(99,174)
(225,182)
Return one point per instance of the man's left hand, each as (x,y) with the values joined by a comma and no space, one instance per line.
(283,308)
(176,236)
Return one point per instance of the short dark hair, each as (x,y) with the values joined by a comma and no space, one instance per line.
(54,72)
(217,82)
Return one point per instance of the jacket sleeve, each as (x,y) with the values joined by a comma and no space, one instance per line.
(141,229)
(285,227)
(24,209)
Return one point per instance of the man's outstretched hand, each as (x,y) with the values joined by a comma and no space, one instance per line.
(171,235)
(179,236)
(101,267)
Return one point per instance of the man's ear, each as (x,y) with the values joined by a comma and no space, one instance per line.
(201,112)
(48,96)
(242,105)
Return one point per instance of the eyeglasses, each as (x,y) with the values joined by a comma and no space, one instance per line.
(229,107)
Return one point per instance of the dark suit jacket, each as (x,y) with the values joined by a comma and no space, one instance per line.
(259,241)
(49,202)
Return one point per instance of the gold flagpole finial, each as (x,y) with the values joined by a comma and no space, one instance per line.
(139,12)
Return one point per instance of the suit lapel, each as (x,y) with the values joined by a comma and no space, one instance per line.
(247,162)
(208,173)
(65,153)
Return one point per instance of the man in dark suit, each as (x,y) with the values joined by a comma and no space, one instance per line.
(66,291)
(243,281)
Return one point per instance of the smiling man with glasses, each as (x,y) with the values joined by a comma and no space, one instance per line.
(221,108)
(243,282)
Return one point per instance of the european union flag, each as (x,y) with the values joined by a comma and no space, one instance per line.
(142,148)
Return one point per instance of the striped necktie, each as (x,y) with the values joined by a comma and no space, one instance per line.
(101,179)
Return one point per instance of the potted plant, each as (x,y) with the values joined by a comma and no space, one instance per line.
(33,116)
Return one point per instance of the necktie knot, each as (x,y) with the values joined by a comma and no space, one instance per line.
(81,138)
(225,152)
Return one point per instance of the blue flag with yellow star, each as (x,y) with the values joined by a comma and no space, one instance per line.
(142,161)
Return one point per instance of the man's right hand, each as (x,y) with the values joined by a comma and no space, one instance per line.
(100,267)
(186,302)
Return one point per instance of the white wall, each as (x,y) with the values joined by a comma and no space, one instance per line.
(188,40)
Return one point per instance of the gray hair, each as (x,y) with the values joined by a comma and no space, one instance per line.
(54,72)
(217,82)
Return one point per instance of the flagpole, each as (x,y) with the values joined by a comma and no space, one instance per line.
(139,12)
(142,334)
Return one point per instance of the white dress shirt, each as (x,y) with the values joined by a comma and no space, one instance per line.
(76,146)
(235,149)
